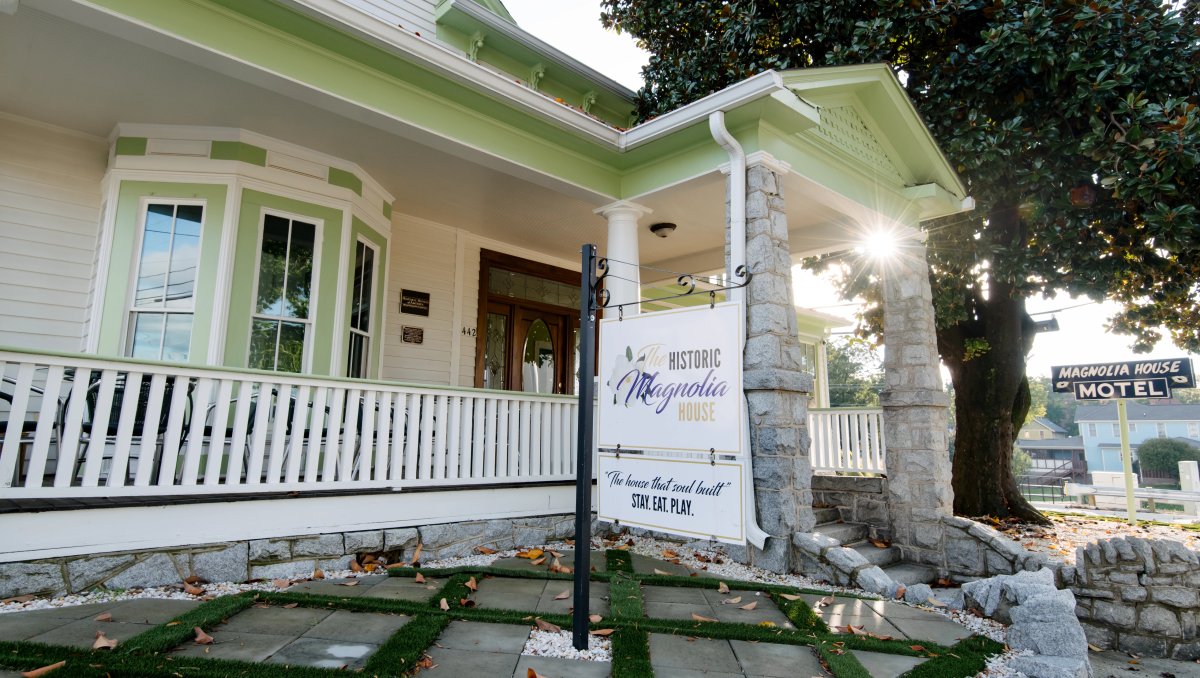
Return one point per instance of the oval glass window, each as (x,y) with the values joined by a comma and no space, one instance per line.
(538,369)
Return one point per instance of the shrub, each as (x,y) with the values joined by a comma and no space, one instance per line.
(1164,454)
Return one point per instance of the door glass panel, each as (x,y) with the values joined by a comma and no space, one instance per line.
(538,368)
(495,360)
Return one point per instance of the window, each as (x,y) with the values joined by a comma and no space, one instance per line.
(279,331)
(1116,430)
(1091,430)
(160,315)
(1162,430)
(1194,429)
(1132,427)
(359,354)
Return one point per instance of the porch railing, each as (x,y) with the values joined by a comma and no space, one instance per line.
(847,440)
(78,426)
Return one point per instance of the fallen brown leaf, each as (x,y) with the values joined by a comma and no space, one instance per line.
(932,600)
(722,587)
(351,582)
(854,630)
(900,591)
(530,553)
(417,553)
(603,632)
(917,648)
(195,579)
(825,602)
(788,596)
(749,606)
(192,590)
(485,550)
(370,567)
(669,553)
(291,606)
(419,578)
(595,618)
(103,642)
(530,673)
(202,638)
(563,596)
(466,602)
(732,601)
(546,626)
(658,571)
(18,599)
(879,543)
(554,553)
(38,673)
(354,566)
(318,573)
(444,605)
(367,559)
(103,617)
(472,584)
(537,561)
(281,583)
(700,617)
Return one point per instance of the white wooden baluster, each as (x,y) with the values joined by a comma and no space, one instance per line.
(125,423)
(535,439)
(439,438)
(300,430)
(350,442)
(425,458)
(564,454)
(547,439)
(502,449)
(264,403)
(316,435)
(412,436)
(148,451)
(241,424)
(383,428)
(98,440)
(462,469)
(217,457)
(69,445)
(333,437)
(16,423)
(489,438)
(526,443)
(47,416)
(477,432)
(514,439)
(454,430)
(396,463)
(195,443)
(366,437)
(174,433)
(855,447)
(279,423)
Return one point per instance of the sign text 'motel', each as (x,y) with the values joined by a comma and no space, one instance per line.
(1130,379)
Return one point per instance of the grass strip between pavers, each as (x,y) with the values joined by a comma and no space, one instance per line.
(616,560)
(145,654)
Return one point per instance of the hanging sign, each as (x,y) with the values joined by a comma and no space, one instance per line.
(672,380)
(690,497)
(1130,379)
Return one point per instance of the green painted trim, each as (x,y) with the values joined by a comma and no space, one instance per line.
(122,262)
(387,210)
(359,228)
(240,151)
(130,146)
(245,265)
(340,177)
(498,9)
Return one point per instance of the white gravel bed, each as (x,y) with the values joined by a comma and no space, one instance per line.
(559,645)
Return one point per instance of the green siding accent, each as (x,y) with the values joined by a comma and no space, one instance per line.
(359,228)
(387,210)
(340,177)
(131,146)
(245,264)
(122,263)
(237,150)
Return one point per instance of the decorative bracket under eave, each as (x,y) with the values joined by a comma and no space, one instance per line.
(536,73)
(475,45)
(589,100)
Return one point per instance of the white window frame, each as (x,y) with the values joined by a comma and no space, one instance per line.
(1091,430)
(131,310)
(1133,427)
(1116,429)
(1162,429)
(1194,429)
(369,335)
(318,236)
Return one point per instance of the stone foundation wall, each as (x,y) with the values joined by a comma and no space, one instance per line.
(1138,595)
(971,550)
(859,499)
(273,558)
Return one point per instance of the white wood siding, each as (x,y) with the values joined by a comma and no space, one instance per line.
(49,218)
(424,258)
(411,15)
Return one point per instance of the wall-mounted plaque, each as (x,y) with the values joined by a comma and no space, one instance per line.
(414,302)
(412,335)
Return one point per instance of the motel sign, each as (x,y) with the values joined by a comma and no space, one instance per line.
(1130,379)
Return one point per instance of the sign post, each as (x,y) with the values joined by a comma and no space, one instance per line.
(1119,381)
(583,471)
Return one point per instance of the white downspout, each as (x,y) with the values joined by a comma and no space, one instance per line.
(737,257)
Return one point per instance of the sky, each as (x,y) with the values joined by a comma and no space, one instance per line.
(573,26)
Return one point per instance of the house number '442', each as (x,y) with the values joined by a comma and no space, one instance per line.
(468,331)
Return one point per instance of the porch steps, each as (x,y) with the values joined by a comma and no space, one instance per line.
(854,536)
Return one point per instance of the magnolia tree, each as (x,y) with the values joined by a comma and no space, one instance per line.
(1075,127)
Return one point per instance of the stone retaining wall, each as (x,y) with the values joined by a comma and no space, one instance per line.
(1138,595)
(859,499)
(273,558)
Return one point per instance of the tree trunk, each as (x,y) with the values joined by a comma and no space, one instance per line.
(986,358)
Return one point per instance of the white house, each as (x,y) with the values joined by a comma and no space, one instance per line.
(1102,434)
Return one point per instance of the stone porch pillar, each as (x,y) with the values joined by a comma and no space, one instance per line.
(776,388)
(624,280)
(915,408)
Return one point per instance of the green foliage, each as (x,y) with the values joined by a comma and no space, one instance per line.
(625,597)
(855,375)
(1164,454)
(1021,462)
(631,653)
(618,561)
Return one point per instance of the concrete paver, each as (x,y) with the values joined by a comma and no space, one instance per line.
(402,588)
(23,626)
(336,588)
(82,632)
(777,661)
(666,602)
(248,647)
(699,654)
(454,663)
(274,621)
(675,672)
(673,594)
(512,594)
(484,637)
(1114,664)
(597,600)
(647,565)
(676,610)
(941,631)
(360,627)
(552,667)
(69,612)
(596,564)
(150,610)
(325,654)
(882,665)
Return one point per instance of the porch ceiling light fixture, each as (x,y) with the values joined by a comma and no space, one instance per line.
(879,244)
(662,229)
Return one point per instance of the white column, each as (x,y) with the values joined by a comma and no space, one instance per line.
(624,279)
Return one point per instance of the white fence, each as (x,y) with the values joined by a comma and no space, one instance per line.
(76,426)
(847,440)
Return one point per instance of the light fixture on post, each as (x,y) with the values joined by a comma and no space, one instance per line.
(662,229)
